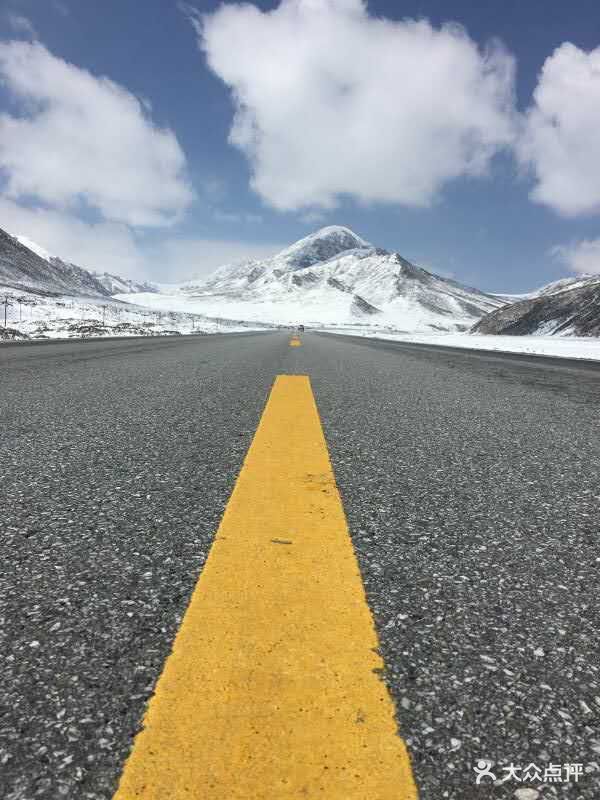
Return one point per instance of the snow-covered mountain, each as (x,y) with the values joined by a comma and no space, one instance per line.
(574,282)
(34,247)
(250,274)
(27,269)
(25,265)
(114,284)
(567,307)
(333,276)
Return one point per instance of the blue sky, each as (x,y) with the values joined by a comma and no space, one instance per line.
(484,229)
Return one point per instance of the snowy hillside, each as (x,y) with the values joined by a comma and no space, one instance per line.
(24,264)
(23,268)
(569,307)
(36,248)
(34,316)
(332,277)
(46,298)
(117,285)
(563,284)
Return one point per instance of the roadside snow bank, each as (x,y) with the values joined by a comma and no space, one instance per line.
(561,347)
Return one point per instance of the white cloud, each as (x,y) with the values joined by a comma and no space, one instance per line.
(195,257)
(561,139)
(83,139)
(236,217)
(21,24)
(61,7)
(331,101)
(113,247)
(103,246)
(314,216)
(581,257)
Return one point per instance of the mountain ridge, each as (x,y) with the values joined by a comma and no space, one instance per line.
(115,284)
(26,266)
(568,307)
(334,275)
(330,277)
(25,270)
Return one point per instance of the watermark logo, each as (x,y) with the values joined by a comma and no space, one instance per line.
(531,773)
(484,770)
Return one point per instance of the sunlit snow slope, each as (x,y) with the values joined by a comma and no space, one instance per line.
(332,277)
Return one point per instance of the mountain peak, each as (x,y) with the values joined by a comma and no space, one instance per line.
(337,231)
(320,246)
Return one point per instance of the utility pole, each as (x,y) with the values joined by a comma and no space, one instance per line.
(20,301)
(6,303)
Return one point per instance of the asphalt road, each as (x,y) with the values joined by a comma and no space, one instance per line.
(471,483)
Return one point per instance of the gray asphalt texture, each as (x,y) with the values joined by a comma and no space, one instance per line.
(471,483)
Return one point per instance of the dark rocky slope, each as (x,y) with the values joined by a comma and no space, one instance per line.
(573,312)
(24,270)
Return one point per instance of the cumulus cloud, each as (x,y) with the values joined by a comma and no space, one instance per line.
(113,247)
(83,139)
(581,257)
(104,246)
(331,101)
(561,140)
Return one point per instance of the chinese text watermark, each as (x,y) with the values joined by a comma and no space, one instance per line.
(531,773)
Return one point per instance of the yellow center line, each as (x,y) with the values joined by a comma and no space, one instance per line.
(295,342)
(273,688)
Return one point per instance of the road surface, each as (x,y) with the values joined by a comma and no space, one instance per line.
(470,483)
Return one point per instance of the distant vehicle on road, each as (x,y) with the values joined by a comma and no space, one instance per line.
(300,328)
